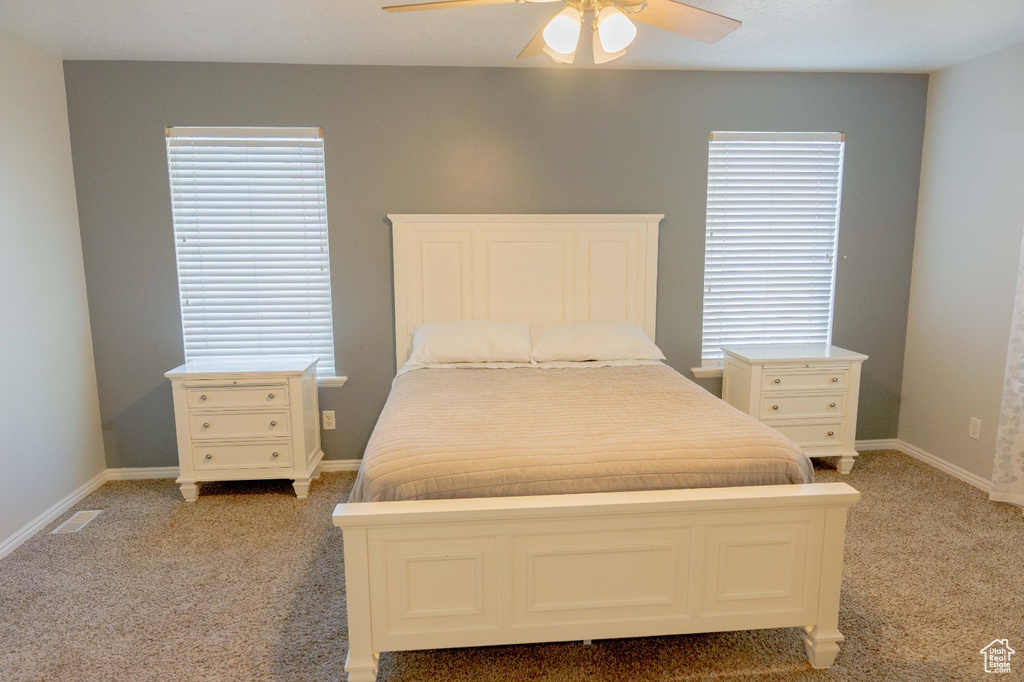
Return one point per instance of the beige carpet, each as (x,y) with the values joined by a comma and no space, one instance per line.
(247,585)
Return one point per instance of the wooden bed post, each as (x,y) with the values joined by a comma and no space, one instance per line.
(822,639)
(361,663)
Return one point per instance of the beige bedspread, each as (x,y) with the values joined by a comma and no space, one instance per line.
(447,433)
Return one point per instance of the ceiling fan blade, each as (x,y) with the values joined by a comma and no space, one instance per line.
(685,20)
(445,4)
(535,47)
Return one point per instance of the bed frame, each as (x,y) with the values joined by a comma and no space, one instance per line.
(477,572)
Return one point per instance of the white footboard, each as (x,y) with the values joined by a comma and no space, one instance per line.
(477,572)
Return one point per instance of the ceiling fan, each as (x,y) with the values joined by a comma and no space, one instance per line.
(613,31)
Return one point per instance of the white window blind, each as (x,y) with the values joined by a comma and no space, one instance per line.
(250,231)
(772,226)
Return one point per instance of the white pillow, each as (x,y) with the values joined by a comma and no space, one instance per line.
(472,341)
(586,341)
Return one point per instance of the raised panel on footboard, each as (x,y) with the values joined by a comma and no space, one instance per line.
(580,577)
(441,584)
(785,558)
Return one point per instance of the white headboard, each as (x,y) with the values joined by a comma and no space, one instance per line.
(537,269)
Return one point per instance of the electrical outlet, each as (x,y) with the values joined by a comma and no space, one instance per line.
(975,430)
(328,420)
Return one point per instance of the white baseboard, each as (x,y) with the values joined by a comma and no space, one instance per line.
(141,473)
(146,473)
(332,465)
(8,545)
(942,465)
(878,444)
(926,457)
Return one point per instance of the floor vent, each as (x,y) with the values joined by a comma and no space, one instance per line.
(76,522)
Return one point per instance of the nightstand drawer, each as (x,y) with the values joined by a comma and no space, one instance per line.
(809,406)
(238,425)
(213,397)
(262,455)
(815,378)
(812,434)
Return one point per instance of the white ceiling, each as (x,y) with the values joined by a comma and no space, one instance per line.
(817,35)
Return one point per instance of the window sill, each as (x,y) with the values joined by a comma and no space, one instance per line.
(331,382)
(706,372)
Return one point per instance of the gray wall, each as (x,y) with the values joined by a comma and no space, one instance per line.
(460,140)
(966,259)
(50,442)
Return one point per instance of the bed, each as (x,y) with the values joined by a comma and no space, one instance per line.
(530,504)
(564,430)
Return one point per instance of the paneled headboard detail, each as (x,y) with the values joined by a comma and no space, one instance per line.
(538,269)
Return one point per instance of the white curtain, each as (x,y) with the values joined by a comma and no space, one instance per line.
(1008,470)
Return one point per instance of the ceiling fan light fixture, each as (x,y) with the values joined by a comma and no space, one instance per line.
(602,57)
(562,34)
(558,57)
(614,29)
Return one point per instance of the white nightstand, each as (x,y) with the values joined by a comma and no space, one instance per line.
(806,392)
(244,419)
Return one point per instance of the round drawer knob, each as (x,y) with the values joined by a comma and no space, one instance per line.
(775,407)
(273,424)
(270,397)
(835,380)
(202,397)
(778,381)
(273,454)
(209,456)
(831,433)
(206,425)
(831,404)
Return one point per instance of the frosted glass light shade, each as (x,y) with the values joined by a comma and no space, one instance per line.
(562,33)
(602,57)
(614,29)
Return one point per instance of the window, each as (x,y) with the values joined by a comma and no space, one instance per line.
(772,225)
(250,231)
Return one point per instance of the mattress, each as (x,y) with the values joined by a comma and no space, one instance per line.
(456,433)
